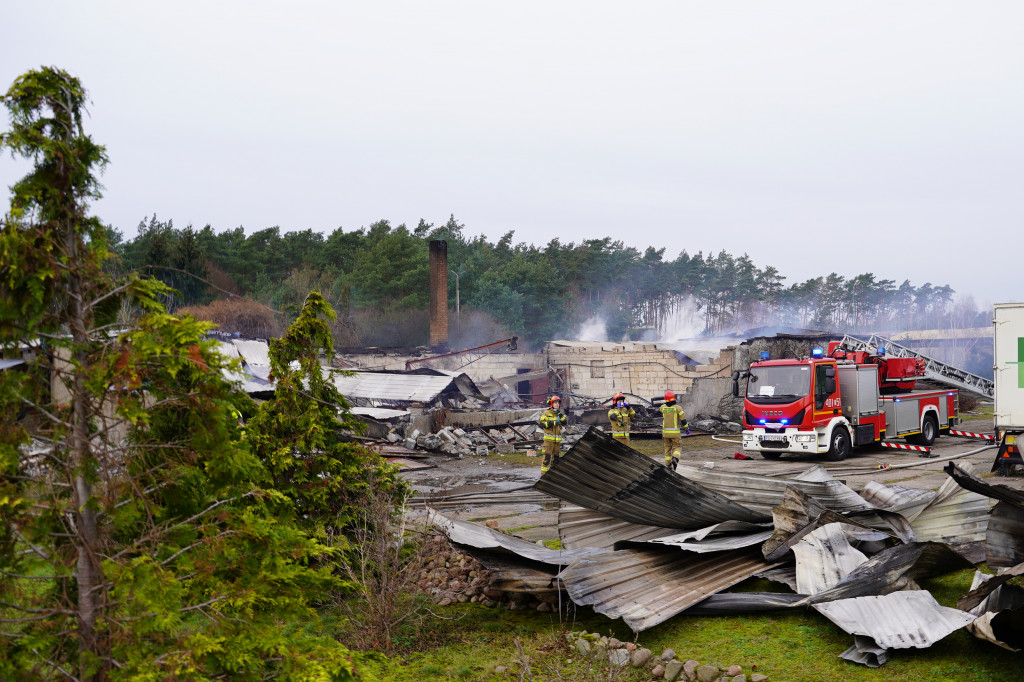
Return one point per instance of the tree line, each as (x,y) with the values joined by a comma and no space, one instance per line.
(377,278)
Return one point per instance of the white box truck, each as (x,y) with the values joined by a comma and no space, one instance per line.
(1008,373)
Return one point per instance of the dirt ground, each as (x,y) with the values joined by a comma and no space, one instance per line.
(532,521)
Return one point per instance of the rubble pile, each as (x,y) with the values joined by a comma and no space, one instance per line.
(450,576)
(669,666)
(463,442)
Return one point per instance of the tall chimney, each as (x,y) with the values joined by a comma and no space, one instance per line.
(438,292)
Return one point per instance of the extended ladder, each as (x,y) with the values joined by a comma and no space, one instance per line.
(933,369)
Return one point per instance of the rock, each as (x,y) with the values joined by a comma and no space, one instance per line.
(618,658)
(673,669)
(668,655)
(640,657)
(599,652)
(630,646)
(491,523)
(481,451)
(613,643)
(733,670)
(505,448)
(583,646)
(758,677)
(708,673)
(733,426)
(739,678)
(410,443)
(544,607)
(394,437)
(658,671)
(690,669)
(500,670)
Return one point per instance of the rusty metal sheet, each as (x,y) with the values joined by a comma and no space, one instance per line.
(582,527)
(647,587)
(796,516)
(602,474)
(762,493)
(899,620)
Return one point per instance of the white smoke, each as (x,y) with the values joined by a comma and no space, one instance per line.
(685,321)
(594,329)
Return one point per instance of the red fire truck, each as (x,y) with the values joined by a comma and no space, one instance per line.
(836,400)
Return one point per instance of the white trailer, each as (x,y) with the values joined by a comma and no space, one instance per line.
(1008,372)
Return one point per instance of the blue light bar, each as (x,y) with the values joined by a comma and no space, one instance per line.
(764,355)
(817,353)
(785,421)
(897,400)
(764,421)
(881,350)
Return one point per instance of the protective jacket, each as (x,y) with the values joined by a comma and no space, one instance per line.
(620,418)
(673,419)
(552,423)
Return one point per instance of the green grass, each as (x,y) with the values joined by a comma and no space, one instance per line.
(798,646)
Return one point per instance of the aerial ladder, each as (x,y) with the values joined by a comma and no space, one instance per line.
(934,370)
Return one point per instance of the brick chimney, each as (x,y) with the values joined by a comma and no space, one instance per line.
(438,292)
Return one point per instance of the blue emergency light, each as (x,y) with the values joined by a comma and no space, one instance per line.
(785,421)
(764,355)
(763,421)
(817,353)
(881,350)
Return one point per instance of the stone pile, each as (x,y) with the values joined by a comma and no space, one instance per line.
(460,442)
(451,577)
(703,422)
(668,666)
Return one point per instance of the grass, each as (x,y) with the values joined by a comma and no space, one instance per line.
(798,646)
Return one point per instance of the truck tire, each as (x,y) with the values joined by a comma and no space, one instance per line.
(840,445)
(771,455)
(929,432)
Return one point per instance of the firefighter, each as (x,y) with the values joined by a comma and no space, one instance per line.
(672,420)
(620,416)
(552,420)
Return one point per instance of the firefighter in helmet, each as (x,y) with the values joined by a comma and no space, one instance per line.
(620,416)
(673,420)
(552,420)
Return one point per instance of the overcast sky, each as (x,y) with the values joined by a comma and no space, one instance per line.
(815,136)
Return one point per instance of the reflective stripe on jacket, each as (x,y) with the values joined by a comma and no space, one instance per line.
(672,417)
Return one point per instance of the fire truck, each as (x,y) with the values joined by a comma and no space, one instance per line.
(833,401)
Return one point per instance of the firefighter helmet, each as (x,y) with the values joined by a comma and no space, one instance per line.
(554,399)
(617,397)
(669,395)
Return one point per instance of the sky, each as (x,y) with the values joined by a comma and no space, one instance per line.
(814,136)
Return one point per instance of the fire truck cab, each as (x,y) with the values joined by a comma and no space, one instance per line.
(830,404)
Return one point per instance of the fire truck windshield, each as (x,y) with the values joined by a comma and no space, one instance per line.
(768,384)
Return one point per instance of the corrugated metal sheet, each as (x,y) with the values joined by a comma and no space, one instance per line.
(647,587)
(955,515)
(761,493)
(999,609)
(381,413)
(482,537)
(909,502)
(602,474)
(720,537)
(899,620)
(255,353)
(582,527)
(796,516)
(823,558)
(7,363)
(967,478)
(1004,539)
(419,388)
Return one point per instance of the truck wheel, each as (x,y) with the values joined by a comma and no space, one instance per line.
(840,447)
(771,455)
(929,432)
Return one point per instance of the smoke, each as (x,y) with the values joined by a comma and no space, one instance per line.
(683,322)
(594,329)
